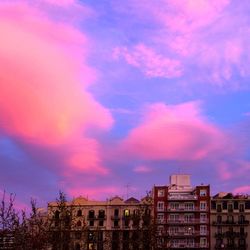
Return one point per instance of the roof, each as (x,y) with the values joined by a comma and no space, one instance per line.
(131,200)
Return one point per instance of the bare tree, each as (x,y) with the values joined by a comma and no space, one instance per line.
(59,223)
(8,221)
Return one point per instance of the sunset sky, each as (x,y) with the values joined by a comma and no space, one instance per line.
(109,97)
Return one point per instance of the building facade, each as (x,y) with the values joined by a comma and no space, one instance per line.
(112,224)
(182,214)
(230,216)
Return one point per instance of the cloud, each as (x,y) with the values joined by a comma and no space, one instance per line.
(142,169)
(151,63)
(174,132)
(44,100)
(242,190)
(203,40)
(95,192)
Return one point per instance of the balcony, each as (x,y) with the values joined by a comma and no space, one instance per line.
(183,209)
(183,234)
(245,222)
(239,223)
(115,217)
(229,234)
(182,221)
(215,223)
(182,197)
(103,217)
(187,245)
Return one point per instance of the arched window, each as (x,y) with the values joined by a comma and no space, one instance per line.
(91,214)
(57,214)
(101,214)
(241,218)
(79,213)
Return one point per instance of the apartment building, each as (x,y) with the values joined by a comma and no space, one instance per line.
(182,214)
(230,216)
(112,224)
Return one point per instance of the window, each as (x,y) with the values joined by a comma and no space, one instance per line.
(242,230)
(241,219)
(160,230)
(230,219)
(230,208)
(219,219)
(203,205)
(161,193)
(236,205)
(116,212)
(126,223)
(174,217)
(90,236)
(242,242)
(219,208)
(190,242)
(203,229)
(188,230)
(91,214)
(219,230)
(189,206)
(116,223)
(91,223)
(203,218)
(203,242)
(160,206)
(224,205)
(78,235)
(79,213)
(126,212)
(188,217)
(160,218)
(203,192)
(77,247)
(174,206)
(57,214)
(242,207)
(101,214)
(79,223)
(173,230)
(101,223)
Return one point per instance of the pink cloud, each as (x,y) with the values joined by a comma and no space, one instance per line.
(44,79)
(224,171)
(242,190)
(151,63)
(209,35)
(142,169)
(174,132)
(94,193)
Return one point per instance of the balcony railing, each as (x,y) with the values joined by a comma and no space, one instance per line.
(246,222)
(185,209)
(185,234)
(115,217)
(229,234)
(187,245)
(96,217)
(182,197)
(191,221)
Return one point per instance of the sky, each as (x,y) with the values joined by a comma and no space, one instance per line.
(105,97)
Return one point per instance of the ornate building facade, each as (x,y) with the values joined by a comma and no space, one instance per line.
(115,224)
(230,216)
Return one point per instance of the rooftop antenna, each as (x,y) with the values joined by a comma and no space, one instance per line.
(127,189)
(179,170)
